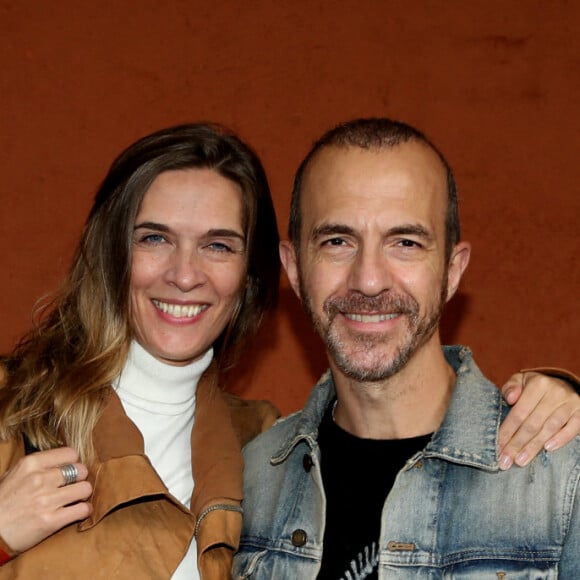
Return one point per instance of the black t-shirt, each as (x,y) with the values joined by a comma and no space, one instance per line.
(357,475)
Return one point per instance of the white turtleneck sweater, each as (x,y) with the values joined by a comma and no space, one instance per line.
(160,399)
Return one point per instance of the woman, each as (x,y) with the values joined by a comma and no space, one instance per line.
(115,395)
(176,266)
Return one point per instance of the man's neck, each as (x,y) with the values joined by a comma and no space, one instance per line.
(410,403)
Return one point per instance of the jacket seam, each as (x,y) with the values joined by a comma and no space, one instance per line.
(219,506)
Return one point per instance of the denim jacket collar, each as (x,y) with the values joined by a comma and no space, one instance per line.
(309,418)
(468,434)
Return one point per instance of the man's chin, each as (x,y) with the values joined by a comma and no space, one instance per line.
(368,367)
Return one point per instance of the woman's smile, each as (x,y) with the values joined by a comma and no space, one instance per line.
(188,264)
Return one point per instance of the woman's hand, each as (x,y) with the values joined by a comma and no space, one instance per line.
(546,415)
(34,500)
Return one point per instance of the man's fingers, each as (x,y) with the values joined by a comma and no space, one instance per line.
(566,434)
(545,428)
(531,441)
(521,423)
(512,389)
(543,404)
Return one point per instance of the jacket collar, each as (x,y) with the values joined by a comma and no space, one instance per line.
(122,472)
(468,434)
(309,418)
(215,448)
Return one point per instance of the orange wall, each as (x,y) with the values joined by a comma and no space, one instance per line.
(495,83)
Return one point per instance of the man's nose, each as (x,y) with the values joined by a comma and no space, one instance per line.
(370,272)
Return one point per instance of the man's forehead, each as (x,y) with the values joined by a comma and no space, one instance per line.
(379,188)
(353,169)
(415,150)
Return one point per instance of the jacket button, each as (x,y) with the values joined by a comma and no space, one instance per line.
(299,538)
(307,463)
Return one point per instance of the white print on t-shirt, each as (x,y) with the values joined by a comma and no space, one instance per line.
(364,565)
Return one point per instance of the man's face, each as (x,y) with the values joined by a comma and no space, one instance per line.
(371,270)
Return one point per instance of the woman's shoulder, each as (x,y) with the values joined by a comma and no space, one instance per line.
(250,417)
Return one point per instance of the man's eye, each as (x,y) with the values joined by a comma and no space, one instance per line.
(409,244)
(333,242)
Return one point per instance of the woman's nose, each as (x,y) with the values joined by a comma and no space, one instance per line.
(186,270)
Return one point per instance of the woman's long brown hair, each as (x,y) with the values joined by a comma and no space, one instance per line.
(57,378)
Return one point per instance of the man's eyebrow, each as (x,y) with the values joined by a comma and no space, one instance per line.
(330,229)
(410,229)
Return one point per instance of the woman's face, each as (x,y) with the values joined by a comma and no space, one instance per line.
(188,265)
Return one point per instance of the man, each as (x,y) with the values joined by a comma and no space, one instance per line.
(391,470)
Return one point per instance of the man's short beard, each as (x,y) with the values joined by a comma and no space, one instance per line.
(419,331)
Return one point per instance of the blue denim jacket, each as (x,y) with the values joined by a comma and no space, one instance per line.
(450,514)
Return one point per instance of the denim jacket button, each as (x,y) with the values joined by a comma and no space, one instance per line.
(299,538)
(307,463)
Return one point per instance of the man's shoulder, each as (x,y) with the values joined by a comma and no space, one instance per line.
(300,425)
(276,436)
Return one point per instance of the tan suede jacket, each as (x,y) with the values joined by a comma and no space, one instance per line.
(137,529)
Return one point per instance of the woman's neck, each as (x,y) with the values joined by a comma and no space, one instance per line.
(147,381)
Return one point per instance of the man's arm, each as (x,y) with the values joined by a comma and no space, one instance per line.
(546,414)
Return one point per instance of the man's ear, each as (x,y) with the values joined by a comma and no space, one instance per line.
(290,263)
(457,266)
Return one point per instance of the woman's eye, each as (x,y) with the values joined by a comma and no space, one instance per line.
(220,247)
(152,239)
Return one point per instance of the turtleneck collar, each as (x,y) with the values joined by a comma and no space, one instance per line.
(150,384)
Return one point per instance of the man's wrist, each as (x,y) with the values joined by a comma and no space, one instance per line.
(558,374)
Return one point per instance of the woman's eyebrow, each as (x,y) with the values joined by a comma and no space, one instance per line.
(152,226)
(212,233)
(224,233)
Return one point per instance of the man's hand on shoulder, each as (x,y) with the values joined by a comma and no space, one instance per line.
(545,415)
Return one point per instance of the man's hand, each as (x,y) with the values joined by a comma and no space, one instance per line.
(34,501)
(546,415)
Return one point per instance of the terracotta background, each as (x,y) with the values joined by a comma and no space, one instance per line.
(495,83)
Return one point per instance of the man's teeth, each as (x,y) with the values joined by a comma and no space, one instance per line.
(178,310)
(369,317)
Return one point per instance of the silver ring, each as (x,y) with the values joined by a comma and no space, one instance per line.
(69,473)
